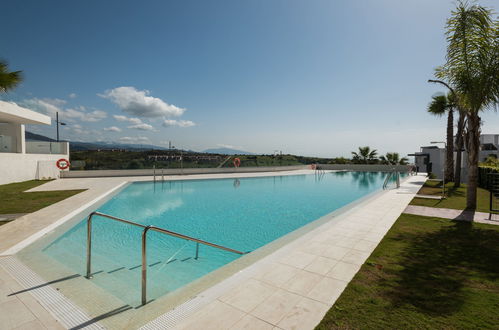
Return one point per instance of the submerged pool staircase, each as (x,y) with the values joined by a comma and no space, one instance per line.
(145,230)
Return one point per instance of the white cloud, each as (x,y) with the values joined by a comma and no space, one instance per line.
(91,116)
(142,127)
(179,123)
(72,95)
(135,121)
(78,129)
(46,106)
(134,139)
(112,129)
(140,103)
(51,106)
(229,146)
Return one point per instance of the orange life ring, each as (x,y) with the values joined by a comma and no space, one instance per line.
(236,162)
(62,164)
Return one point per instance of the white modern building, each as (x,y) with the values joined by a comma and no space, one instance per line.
(431,159)
(22,160)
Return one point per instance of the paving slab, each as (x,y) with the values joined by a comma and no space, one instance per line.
(452,214)
(428,196)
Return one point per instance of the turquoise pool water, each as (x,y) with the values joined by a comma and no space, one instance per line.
(243,214)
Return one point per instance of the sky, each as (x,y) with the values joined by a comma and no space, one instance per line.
(315,78)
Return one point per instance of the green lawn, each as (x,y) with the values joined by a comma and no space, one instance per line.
(426,273)
(456,198)
(15,200)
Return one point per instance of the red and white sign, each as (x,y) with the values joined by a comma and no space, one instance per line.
(62,164)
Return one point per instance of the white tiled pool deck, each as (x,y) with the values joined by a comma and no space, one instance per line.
(292,288)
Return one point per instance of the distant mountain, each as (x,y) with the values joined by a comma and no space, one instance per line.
(37,137)
(227,151)
(80,146)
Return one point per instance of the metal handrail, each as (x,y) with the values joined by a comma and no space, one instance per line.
(154,174)
(144,246)
(388,177)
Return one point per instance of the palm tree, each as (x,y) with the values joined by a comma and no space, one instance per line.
(8,80)
(461,124)
(440,105)
(393,158)
(472,69)
(365,155)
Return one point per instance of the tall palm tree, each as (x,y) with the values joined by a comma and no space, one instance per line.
(8,80)
(365,155)
(472,69)
(393,158)
(440,105)
(461,124)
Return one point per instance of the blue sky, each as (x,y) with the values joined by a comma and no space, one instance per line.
(306,77)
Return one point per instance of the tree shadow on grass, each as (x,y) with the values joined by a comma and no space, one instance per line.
(438,265)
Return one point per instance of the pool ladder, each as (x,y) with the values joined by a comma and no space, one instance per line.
(145,230)
(154,174)
(389,176)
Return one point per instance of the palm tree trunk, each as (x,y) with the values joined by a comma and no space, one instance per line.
(459,146)
(473,142)
(449,161)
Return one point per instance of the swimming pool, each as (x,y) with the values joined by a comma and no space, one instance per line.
(243,214)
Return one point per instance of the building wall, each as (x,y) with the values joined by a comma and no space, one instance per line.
(490,138)
(16,167)
(437,159)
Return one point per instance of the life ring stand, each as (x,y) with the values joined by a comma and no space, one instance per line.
(236,162)
(62,164)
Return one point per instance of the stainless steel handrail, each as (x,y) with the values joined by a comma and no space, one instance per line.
(385,184)
(144,246)
(388,177)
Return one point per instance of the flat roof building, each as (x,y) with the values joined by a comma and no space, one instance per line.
(21,160)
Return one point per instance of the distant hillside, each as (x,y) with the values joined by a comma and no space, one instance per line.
(227,151)
(81,146)
(37,137)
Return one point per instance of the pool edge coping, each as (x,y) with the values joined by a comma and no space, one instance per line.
(39,234)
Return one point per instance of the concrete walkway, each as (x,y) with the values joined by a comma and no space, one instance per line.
(429,196)
(481,217)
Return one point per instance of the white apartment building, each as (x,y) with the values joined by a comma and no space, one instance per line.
(22,160)
(432,158)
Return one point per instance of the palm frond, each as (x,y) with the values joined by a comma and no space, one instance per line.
(8,80)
